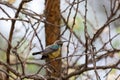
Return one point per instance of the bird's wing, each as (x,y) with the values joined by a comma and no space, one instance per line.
(50,49)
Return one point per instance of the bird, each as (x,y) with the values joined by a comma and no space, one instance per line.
(51,50)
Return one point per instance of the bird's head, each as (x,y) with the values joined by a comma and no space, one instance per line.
(59,42)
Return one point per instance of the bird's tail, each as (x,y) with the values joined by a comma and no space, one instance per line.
(36,53)
(43,56)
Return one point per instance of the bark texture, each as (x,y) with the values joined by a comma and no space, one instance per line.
(52,29)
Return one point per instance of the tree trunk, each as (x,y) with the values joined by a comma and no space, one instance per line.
(52,30)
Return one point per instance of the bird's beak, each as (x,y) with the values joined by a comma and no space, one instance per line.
(63,42)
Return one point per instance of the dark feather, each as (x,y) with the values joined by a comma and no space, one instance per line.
(35,53)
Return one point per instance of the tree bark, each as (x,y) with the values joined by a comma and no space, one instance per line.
(52,30)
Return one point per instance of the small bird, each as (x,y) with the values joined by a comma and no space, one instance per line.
(50,50)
